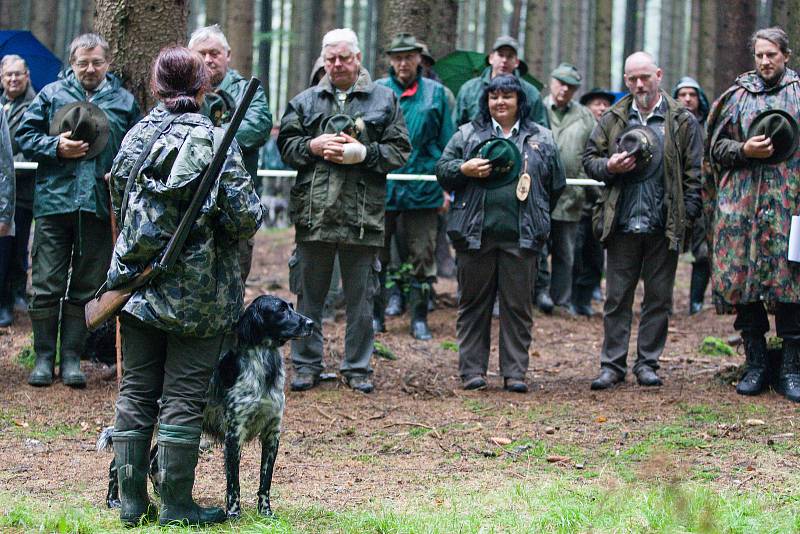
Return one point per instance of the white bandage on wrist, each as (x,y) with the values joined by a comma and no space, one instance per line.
(354,153)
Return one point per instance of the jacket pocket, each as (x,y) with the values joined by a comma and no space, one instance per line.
(597,220)
(294,273)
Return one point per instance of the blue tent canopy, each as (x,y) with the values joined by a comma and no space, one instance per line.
(44,66)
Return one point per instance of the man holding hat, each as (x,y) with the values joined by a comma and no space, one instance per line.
(343,136)
(430,126)
(752,195)
(571,124)
(73,129)
(647,149)
(503,59)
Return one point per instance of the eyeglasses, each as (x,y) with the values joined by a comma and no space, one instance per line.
(14,74)
(96,63)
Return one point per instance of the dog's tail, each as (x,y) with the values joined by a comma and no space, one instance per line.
(104,441)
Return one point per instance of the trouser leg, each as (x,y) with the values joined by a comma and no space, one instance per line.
(562,250)
(477,279)
(245,250)
(542,284)
(701,274)
(516,274)
(311,270)
(359,276)
(622,275)
(658,272)
(18,270)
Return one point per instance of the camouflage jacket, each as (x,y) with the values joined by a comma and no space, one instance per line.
(343,203)
(257,122)
(202,295)
(750,206)
(7,182)
(571,132)
(69,185)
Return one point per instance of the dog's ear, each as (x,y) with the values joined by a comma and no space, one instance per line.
(228,367)
(251,328)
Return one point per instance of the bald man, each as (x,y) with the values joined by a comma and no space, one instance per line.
(642,217)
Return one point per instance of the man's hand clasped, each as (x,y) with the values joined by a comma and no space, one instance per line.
(476,168)
(758,147)
(620,163)
(338,148)
(69,148)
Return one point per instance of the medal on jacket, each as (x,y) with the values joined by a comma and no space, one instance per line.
(524,183)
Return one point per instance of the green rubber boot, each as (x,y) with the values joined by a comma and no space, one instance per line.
(44,323)
(73,338)
(132,459)
(178,448)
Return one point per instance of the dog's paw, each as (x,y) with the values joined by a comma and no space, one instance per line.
(113,503)
(266,511)
(234,515)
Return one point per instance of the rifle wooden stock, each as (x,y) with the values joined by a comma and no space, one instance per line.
(102,308)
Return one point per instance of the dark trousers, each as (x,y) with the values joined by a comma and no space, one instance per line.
(628,257)
(74,247)
(484,274)
(310,273)
(6,253)
(752,320)
(587,268)
(164,376)
(14,283)
(562,256)
(420,229)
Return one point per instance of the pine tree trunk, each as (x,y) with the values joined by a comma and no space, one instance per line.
(11,14)
(536,42)
(494,23)
(786,14)
(298,47)
(707,52)
(239,21)
(265,44)
(136,30)
(736,22)
(602,43)
(516,14)
(43,23)
(215,10)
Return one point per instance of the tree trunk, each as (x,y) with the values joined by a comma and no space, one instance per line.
(494,23)
(43,23)
(11,14)
(602,43)
(516,14)
(693,66)
(707,52)
(298,47)
(786,14)
(239,32)
(568,35)
(265,44)
(536,42)
(736,22)
(136,30)
(87,16)
(215,11)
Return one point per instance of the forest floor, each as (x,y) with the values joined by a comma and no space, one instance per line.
(421,454)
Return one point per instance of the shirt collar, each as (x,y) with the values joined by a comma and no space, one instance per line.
(657,111)
(498,130)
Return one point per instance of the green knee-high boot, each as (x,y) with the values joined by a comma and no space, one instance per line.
(132,459)
(178,447)
(44,323)
(73,338)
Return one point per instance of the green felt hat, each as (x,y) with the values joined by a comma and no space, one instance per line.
(505,158)
(221,106)
(567,73)
(336,124)
(403,42)
(87,122)
(781,127)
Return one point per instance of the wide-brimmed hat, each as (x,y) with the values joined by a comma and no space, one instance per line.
(86,121)
(221,106)
(510,42)
(403,42)
(781,127)
(505,159)
(642,143)
(426,53)
(336,124)
(597,92)
(567,73)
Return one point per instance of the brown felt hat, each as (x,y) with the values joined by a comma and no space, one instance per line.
(86,121)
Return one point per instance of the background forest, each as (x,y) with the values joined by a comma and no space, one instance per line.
(278,40)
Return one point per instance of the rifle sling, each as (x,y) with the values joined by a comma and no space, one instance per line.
(138,165)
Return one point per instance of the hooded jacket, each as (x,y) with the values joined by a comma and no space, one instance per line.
(750,205)
(70,185)
(343,203)
(703,108)
(682,160)
(469,96)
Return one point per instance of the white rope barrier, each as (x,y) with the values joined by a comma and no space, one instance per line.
(268,173)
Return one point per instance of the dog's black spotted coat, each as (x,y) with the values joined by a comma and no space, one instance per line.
(245,396)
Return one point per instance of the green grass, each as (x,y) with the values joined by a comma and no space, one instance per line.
(554,505)
(26,355)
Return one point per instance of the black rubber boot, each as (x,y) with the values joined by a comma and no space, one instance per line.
(73,339)
(178,448)
(789,378)
(755,376)
(701,272)
(395,305)
(44,324)
(418,303)
(132,460)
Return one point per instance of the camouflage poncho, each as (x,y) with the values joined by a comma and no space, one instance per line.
(202,295)
(750,204)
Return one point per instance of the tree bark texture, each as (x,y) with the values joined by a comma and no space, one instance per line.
(537,28)
(239,19)
(736,22)
(136,30)
(43,23)
(786,14)
(602,43)
(708,47)
(12,14)
(215,12)
(494,23)
(87,16)
(265,44)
